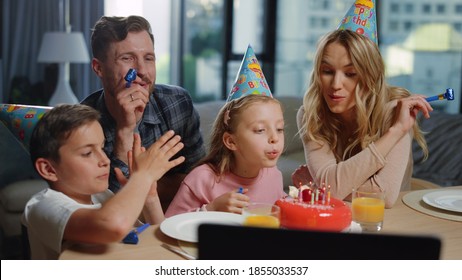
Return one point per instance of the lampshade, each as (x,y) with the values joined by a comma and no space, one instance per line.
(60,47)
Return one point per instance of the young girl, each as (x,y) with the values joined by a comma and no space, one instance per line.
(247,140)
(356,129)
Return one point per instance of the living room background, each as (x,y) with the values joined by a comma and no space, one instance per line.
(200,43)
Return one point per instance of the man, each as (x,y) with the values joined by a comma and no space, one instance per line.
(118,45)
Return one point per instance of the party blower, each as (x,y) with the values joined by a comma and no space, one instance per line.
(132,237)
(449,95)
(130,77)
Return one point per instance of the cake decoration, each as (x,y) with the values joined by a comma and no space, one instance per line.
(312,208)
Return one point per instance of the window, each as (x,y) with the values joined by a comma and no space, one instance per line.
(393,25)
(202,53)
(458,9)
(408,25)
(315,22)
(440,8)
(409,8)
(426,8)
(191,35)
(426,58)
(458,27)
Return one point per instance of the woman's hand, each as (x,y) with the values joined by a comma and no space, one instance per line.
(301,176)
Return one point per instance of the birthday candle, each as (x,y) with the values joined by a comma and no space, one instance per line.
(317,194)
(323,195)
(312,199)
(328,194)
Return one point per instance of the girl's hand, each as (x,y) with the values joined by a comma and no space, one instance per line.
(232,202)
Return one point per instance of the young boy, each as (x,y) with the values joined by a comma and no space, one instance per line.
(67,151)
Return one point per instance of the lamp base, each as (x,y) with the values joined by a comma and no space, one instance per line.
(63,93)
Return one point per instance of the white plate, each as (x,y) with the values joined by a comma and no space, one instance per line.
(184,226)
(446,199)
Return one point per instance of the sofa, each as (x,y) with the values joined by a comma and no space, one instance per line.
(18,178)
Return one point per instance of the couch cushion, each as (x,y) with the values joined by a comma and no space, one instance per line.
(10,224)
(290,105)
(208,111)
(15,160)
(14,197)
(443,135)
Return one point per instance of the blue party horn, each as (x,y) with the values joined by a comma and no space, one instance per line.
(449,95)
(130,77)
(132,237)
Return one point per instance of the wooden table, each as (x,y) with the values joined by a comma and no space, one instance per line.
(400,219)
(148,248)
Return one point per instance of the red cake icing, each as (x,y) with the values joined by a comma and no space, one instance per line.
(332,216)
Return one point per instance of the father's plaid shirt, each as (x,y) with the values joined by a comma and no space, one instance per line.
(169,108)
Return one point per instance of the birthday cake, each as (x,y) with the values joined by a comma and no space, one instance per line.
(313,209)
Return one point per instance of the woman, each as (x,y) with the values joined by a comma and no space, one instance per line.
(356,129)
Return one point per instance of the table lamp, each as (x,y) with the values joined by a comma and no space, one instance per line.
(63,48)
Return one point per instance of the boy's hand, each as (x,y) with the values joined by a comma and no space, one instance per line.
(155,161)
(232,202)
(118,172)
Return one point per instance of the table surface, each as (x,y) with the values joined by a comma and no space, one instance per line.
(400,219)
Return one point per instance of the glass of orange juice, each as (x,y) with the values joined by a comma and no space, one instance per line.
(368,208)
(261,215)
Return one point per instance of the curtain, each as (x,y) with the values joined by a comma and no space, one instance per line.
(24,23)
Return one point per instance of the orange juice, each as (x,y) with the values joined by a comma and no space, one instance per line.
(261,221)
(368,210)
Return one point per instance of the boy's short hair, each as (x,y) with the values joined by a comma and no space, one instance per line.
(55,127)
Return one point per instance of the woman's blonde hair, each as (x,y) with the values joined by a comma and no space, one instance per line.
(374,115)
(219,157)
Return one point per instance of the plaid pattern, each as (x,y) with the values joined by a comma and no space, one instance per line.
(169,108)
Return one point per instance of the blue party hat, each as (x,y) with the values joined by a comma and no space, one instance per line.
(250,78)
(361,19)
